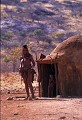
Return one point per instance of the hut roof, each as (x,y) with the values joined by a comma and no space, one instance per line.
(67,47)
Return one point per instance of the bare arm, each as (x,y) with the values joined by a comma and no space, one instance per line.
(33,62)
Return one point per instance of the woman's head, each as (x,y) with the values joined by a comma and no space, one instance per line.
(25,46)
(25,50)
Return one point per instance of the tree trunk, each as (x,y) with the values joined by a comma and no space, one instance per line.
(14,66)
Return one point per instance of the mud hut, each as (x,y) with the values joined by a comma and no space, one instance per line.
(64,63)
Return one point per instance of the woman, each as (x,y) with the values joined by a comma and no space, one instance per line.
(27,63)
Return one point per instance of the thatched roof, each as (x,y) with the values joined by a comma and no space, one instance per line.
(67,48)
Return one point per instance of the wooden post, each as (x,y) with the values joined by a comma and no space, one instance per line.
(39,88)
(56,76)
(38,66)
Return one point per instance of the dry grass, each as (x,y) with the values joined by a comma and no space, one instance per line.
(7,6)
(13,82)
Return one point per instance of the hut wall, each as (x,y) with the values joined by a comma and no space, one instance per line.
(70,79)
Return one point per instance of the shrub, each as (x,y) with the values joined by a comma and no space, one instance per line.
(6,60)
(23,34)
(38,32)
(57,34)
(7,35)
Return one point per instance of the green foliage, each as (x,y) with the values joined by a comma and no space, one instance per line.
(47,41)
(14,54)
(38,32)
(23,34)
(16,1)
(57,34)
(7,35)
(6,60)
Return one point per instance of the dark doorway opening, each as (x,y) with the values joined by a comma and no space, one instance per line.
(49,80)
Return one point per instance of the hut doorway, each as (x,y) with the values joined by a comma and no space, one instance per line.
(49,73)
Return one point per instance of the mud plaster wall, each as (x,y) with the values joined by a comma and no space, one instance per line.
(70,77)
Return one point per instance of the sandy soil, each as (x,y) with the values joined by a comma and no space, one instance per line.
(57,109)
(45,109)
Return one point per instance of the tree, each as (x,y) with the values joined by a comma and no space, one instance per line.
(13,55)
(6,60)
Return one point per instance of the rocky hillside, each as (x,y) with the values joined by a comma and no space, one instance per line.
(41,24)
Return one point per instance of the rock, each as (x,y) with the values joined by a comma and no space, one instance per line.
(41,11)
(58,96)
(62,117)
(8,92)
(15,113)
(10,98)
(29,98)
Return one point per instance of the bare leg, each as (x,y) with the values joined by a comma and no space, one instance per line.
(26,87)
(31,89)
(30,84)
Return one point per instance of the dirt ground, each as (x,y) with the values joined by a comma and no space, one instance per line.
(57,109)
(38,109)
